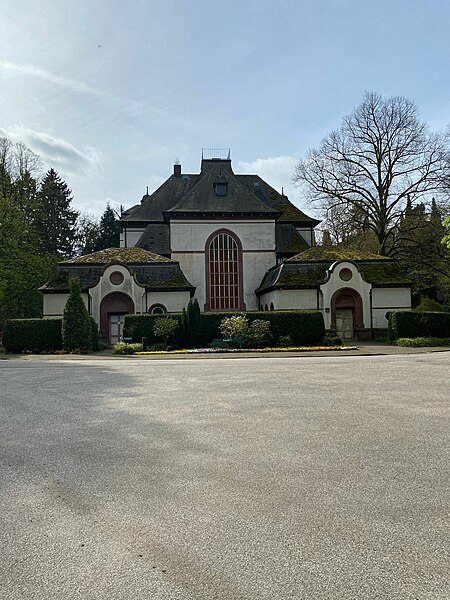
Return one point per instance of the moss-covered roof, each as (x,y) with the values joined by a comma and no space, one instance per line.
(311,273)
(122,255)
(333,253)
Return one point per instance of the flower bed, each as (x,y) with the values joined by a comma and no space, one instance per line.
(216,350)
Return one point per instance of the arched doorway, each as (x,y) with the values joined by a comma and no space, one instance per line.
(346,313)
(113,309)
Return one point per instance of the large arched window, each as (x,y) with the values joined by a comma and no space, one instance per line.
(224,272)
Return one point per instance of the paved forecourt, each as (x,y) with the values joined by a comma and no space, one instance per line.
(308,478)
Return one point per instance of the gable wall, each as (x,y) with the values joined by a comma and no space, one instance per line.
(188,239)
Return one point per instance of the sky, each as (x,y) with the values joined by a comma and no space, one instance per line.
(112,93)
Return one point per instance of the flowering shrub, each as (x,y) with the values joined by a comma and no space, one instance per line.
(234,327)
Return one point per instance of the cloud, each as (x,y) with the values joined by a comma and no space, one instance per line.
(54,151)
(72,84)
(276,170)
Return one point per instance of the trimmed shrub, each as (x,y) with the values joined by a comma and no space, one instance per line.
(76,324)
(419,324)
(305,327)
(32,335)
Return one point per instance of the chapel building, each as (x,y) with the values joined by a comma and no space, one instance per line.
(235,243)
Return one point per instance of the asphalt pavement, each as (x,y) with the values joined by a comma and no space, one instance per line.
(309,478)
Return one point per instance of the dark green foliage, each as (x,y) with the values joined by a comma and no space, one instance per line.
(94,334)
(32,335)
(422,342)
(304,327)
(76,327)
(428,305)
(418,324)
(55,220)
(192,324)
(108,231)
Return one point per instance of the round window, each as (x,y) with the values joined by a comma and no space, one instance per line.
(157,309)
(116,278)
(345,274)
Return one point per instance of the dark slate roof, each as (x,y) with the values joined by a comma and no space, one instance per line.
(270,196)
(195,193)
(202,198)
(150,270)
(288,240)
(164,198)
(296,273)
(157,237)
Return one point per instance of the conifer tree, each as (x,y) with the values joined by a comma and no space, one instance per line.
(55,219)
(109,233)
(76,323)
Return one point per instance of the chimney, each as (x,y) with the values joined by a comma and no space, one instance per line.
(177,170)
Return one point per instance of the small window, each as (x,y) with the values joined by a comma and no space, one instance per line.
(220,188)
(157,309)
(116,278)
(345,274)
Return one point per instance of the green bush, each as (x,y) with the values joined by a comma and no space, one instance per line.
(421,342)
(94,335)
(234,327)
(428,305)
(332,341)
(285,341)
(418,324)
(305,327)
(32,335)
(258,334)
(165,328)
(123,348)
(76,324)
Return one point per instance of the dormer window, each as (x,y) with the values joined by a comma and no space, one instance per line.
(220,188)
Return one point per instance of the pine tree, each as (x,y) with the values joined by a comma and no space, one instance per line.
(76,323)
(55,219)
(109,232)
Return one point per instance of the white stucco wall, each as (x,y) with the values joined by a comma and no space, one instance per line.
(188,239)
(385,300)
(53,304)
(335,283)
(105,287)
(129,238)
(173,301)
(290,299)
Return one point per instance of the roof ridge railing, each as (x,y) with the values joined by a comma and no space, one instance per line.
(216,153)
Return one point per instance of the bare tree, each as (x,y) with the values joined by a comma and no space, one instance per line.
(379,156)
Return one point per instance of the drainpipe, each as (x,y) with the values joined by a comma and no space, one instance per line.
(371,314)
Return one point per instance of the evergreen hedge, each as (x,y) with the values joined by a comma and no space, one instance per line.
(32,335)
(76,323)
(419,324)
(305,327)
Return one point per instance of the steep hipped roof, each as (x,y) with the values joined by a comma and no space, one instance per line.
(195,193)
(202,197)
(288,240)
(150,270)
(157,237)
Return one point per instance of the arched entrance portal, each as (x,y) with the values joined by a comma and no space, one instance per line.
(113,309)
(346,313)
